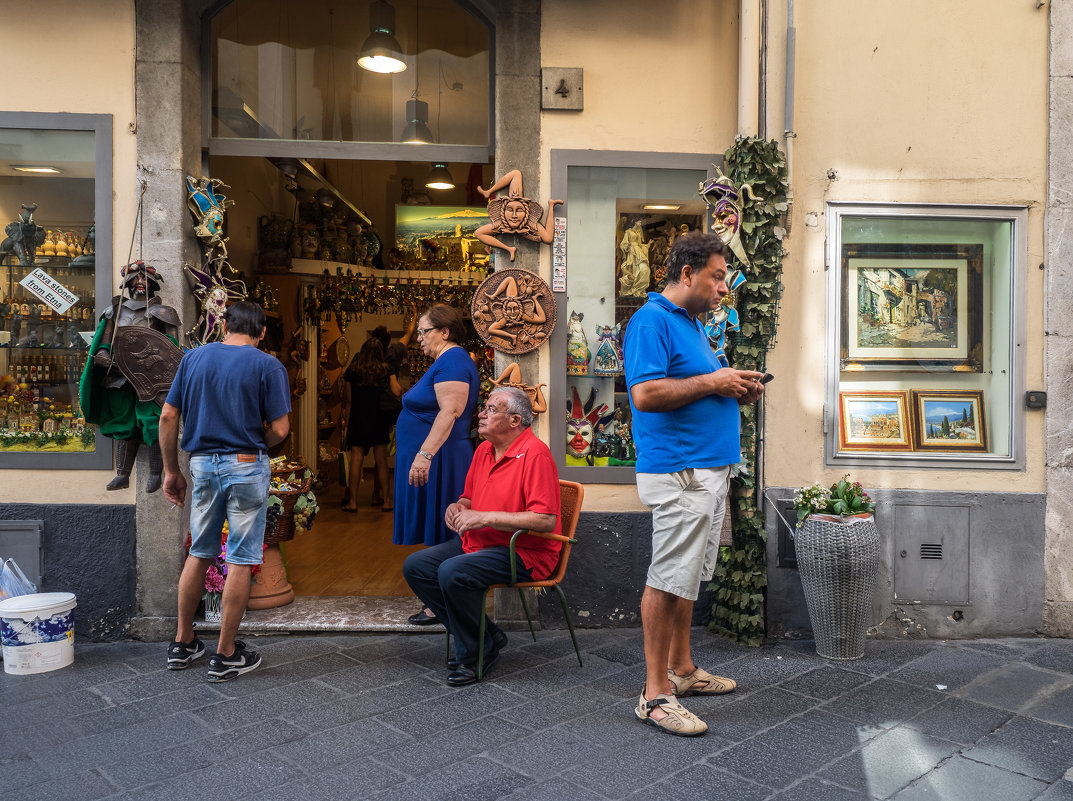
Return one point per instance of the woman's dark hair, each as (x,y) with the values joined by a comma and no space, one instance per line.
(440,315)
(246,318)
(369,365)
(381,333)
(693,249)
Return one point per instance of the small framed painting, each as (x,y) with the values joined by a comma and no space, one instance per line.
(873,421)
(949,420)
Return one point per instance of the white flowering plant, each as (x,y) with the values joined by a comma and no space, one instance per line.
(842,498)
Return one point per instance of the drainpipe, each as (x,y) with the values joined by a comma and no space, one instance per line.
(749,68)
(788,134)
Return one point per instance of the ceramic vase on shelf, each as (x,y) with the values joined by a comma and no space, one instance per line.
(838,561)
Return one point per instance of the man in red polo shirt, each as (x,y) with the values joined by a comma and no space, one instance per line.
(512,484)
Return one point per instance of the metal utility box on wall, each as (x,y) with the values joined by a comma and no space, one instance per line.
(931,554)
(21,540)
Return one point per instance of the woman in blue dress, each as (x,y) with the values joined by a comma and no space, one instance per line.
(432,445)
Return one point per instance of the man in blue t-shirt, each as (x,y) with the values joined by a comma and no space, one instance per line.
(224,392)
(684,398)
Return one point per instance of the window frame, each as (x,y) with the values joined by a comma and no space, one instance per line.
(1017,217)
(101,125)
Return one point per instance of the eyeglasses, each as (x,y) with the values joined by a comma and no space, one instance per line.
(422,331)
(490,410)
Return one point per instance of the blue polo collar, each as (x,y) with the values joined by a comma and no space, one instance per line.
(660,300)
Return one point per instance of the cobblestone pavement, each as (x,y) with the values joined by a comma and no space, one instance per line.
(369,717)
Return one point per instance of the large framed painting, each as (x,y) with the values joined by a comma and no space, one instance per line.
(909,307)
(874,421)
(949,420)
(440,238)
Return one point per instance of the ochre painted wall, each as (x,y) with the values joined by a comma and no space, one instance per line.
(88,68)
(904,111)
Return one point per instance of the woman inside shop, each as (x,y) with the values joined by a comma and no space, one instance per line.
(369,399)
(433,449)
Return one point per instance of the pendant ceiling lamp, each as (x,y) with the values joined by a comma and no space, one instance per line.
(439,178)
(417,131)
(381,51)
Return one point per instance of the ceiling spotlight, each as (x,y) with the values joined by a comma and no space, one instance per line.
(661,207)
(439,178)
(40,170)
(324,197)
(381,51)
(417,130)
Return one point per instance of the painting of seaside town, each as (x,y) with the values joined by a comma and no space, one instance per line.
(439,238)
(874,421)
(949,420)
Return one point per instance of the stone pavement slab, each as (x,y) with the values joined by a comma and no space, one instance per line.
(338,716)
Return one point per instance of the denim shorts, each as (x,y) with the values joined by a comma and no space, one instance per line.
(687,518)
(231,487)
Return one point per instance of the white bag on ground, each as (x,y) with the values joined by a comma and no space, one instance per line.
(13,581)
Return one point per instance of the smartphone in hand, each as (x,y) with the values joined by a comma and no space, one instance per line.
(767,377)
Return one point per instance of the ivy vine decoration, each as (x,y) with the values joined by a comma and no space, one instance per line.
(741,573)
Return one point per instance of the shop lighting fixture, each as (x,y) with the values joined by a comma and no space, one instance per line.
(381,51)
(439,178)
(660,207)
(39,170)
(417,131)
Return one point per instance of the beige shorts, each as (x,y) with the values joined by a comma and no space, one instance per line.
(687,517)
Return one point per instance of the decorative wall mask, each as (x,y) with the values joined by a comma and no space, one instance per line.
(215,283)
(724,199)
(582,421)
(513,214)
(514,311)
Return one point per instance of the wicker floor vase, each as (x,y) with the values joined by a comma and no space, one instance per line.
(838,563)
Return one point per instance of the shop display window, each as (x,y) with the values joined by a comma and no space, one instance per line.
(367,71)
(925,336)
(51,198)
(622,213)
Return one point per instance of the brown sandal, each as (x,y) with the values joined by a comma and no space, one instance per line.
(713,685)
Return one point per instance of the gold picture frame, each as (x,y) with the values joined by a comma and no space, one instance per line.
(950,421)
(874,420)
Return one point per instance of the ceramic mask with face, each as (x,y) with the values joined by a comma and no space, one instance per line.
(579,436)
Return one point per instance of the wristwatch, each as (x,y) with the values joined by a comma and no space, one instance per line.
(426,454)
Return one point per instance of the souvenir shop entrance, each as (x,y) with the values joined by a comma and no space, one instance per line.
(338,251)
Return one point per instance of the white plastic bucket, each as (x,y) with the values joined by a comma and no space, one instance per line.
(37,632)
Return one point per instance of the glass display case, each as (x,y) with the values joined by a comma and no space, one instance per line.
(55,209)
(925,353)
(622,213)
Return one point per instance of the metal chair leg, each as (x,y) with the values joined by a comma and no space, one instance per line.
(569,622)
(480,635)
(528,617)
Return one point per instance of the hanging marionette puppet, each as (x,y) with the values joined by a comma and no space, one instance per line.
(132,362)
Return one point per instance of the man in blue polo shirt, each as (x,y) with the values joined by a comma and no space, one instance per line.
(684,398)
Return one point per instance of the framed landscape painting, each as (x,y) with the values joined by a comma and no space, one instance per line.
(912,306)
(874,421)
(949,420)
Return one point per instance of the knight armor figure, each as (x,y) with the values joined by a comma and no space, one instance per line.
(132,362)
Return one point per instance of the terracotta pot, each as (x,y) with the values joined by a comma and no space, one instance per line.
(270,587)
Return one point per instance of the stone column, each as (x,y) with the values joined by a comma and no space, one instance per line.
(168,128)
(1058,564)
(517,132)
